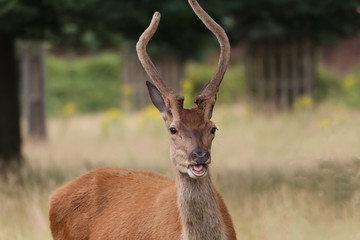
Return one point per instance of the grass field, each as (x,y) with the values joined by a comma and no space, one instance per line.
(283,176)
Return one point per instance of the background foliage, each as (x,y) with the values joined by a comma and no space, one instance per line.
(93,83)
(90,82)
(322,21)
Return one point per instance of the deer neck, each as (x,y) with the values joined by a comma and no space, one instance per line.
(199,209)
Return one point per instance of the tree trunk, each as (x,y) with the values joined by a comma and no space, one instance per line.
(33,81)
(10,140)
(134,76)
(278,73)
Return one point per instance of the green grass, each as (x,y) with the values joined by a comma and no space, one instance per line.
(91,83)
(341,88)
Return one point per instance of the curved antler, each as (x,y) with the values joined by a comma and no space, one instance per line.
(146,62)
(212,87)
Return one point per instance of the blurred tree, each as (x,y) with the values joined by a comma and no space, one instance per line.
(18,19)
(320,21)
(96,24)
(33,88)
(10,141)
(281,38)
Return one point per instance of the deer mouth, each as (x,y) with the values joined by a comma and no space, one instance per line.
(197,171)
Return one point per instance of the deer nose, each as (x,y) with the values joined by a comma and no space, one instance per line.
(200,156)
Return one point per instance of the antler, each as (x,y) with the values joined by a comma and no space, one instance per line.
(207,97)
(212,87)
(146,62)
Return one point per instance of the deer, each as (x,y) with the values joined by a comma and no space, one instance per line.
(114,203)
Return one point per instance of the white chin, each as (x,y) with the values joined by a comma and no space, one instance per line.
(193,176)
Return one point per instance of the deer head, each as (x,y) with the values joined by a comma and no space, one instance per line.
(191,130)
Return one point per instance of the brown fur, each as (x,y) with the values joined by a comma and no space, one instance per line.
(109,203)
(202,210)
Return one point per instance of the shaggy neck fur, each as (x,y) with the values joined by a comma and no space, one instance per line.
(199,210)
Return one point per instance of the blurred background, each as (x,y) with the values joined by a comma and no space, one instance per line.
(287,156)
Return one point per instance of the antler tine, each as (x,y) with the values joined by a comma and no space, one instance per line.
(146,61)
(212,87)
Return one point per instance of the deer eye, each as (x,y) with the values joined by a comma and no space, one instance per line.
(213,130)
(172,130)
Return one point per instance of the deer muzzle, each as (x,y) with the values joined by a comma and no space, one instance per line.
(199,158)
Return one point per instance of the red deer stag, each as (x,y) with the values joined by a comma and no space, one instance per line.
(110,203)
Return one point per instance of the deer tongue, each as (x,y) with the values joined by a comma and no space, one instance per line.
(198,170)
(198,167)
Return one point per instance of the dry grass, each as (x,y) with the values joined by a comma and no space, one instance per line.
(286,176)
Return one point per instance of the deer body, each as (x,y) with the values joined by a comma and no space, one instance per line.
(106,203)
(109,203)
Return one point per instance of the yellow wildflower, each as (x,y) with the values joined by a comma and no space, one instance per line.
(69,109)
(113,113)
(349,82)
(127,90)
(303,102)
(151,112)
(187,85)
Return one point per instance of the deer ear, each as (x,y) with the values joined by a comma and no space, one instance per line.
(156,97)
(210,112)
